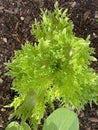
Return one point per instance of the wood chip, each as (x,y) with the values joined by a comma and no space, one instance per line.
(95,120)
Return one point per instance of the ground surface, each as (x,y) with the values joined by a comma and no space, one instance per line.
(16,18)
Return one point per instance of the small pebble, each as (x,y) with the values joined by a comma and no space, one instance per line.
(1,126)
(22,18)
(94,34)
(73,4)
(1,81)
(96,14)
(5,40)
(3,110)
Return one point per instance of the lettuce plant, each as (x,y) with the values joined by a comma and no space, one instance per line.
(16,126)
(60,119)
(56,67)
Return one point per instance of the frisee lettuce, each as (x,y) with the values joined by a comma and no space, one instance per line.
(56,67)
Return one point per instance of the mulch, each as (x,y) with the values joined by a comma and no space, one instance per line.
(16,19)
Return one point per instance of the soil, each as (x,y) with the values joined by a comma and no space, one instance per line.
(16,18)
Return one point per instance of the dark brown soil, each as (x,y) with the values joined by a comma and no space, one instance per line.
(16,18)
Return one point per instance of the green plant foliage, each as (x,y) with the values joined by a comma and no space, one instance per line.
(62,119)
(15,126)
(58,67)
(24,126)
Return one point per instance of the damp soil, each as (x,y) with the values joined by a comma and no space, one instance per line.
(16,19)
